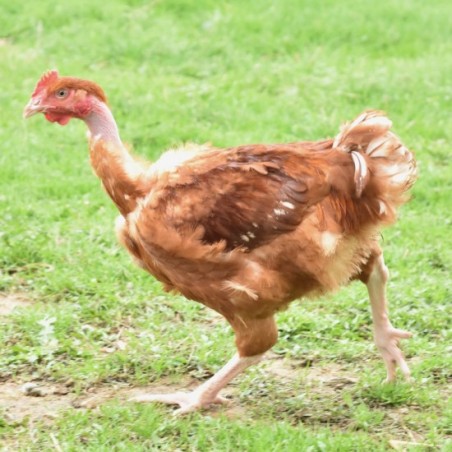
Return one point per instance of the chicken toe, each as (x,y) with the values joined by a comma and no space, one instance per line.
(387,340)
(187,401)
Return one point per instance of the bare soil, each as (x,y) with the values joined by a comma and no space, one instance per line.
(45,401)
(17,406)
(12,302)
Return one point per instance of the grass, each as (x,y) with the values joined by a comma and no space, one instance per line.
(230,73)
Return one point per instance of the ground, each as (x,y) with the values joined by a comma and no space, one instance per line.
(83,329)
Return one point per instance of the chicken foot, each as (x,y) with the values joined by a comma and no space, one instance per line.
(206,394)
(386,337)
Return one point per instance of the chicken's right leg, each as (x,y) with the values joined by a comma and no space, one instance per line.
(385,335)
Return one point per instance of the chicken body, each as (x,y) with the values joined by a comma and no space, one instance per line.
(246,240)
(248,229)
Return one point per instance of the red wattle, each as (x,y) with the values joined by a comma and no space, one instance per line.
(64,120)
(59,118)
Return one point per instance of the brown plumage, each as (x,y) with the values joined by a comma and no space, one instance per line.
(248,229)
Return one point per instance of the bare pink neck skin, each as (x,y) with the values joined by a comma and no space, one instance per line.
(120,173)
(102,124)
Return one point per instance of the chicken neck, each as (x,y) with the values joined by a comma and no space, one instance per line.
(122,176)
(102,124)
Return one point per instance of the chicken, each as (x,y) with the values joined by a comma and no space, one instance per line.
(248,229)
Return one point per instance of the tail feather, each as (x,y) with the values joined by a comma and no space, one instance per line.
(384,168)
(365,128)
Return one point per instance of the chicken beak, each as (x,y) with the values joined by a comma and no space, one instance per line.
(32,108)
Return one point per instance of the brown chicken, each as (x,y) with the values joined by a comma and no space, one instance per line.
(246,230)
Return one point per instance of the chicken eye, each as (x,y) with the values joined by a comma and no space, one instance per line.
(61,93)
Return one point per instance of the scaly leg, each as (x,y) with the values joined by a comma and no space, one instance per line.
(206,394)
(385,335)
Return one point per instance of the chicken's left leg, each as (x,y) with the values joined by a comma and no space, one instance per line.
(206,394)
(253,337)
(386,336)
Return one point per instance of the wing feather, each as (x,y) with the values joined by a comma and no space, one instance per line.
(248,198)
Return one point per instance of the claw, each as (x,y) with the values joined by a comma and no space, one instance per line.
(387,340)
(187,401)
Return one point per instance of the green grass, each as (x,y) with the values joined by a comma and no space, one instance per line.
(229,73)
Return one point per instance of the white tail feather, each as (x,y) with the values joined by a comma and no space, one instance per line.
(361,172)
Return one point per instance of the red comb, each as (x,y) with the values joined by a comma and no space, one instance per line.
(47,78)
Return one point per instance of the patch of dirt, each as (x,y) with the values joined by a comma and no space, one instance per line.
(16,405)
(325,378)
(330,378)
(8,303)
(44,401)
